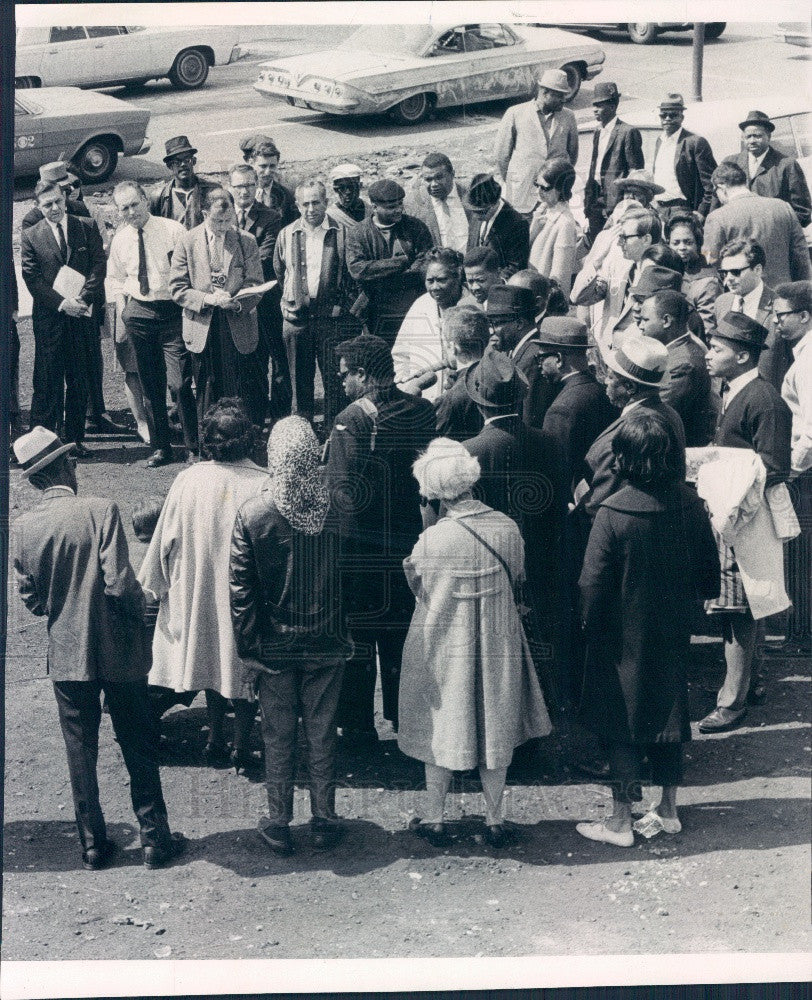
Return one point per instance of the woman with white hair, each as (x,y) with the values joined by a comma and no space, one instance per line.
(468,691)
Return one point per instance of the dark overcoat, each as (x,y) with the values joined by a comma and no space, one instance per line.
(508,237)
(650,557)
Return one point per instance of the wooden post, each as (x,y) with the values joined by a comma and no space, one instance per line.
(698,52)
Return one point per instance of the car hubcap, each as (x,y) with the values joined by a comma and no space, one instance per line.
(95,158)
(412,107)
(190,68)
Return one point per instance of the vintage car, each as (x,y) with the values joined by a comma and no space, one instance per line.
(410,69)
(647,32)
(105,55)
(65,123)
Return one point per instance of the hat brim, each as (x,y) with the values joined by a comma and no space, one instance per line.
(768,125)
(609,361)
(562,347)
(624,184)
(191,151)
(47,460)
(750,344)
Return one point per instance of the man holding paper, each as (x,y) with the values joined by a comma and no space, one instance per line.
(63,265)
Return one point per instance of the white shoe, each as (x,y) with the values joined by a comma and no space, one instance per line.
(653,823)
(598,831)
(143,432)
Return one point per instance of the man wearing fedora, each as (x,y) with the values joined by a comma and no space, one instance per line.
(769,172)
(182,197)
(511,312)
(72,565)
(753,416)
(531,133)
(682,163)
(617,148)
(497,225)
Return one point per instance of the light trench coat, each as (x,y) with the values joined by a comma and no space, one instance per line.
(468,690)
(186,567)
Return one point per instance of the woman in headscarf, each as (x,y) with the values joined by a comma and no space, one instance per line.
(186,569)
(285,615)
(468,690)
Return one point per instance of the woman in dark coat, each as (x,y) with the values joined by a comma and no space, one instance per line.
(650,556)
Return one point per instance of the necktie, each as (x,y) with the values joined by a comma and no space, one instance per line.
(242,219)
(63,246)
(143,280)
(739,306)
(724,390)
(216,256)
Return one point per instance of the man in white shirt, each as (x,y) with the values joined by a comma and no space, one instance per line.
(436,199)
(310,265)
(138,282)
(682,162)
(792,311)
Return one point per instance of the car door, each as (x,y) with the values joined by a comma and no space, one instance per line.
(67,60)
(28,146)
(119,55)
(474,63)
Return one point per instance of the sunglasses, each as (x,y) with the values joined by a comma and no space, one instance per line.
(670,114)
(734,271)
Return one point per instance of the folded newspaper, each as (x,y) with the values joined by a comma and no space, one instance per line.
(249,290)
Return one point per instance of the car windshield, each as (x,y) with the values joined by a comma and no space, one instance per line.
(390,39)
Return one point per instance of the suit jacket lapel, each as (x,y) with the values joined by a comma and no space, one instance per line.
(228,250)
(51,240)
(204,256)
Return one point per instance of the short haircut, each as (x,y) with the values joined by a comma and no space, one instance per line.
(370,353)
(145,517)
(436,161)
(645,452)
(557,302)
(660,253)
(797,293)
(242,168)
(559,174)
(216,198)
(729,174)
(754,252)
(265,149)
(691,220)
(311,182)
(445,470)
(46,187)
(226,433)
(49,473)
(668,302)
(646,221)
(467,328)
(485,257)
(130,186)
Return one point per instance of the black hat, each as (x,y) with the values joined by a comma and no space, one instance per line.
(605,91)
(738,326)
(178,146)
(511,301)
(757,118)
(385,190)
(484,191)
(654,279)
(563,333)
(495,381)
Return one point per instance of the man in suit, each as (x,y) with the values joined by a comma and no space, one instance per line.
(349,208)
(481,273)
(617,148)
(71,565)
(466,328)
(376,515)
(437,199)
(531,133)
(311,266)
(741,268)
(58,173)
(261,152)
(664,316)
(385,255)
(769,221)
(210,264)
(63,327)
(264,224)
(512,316)
(682,162)
(770,173)
(181,198)
(753,416)
(138,283)
(496,224)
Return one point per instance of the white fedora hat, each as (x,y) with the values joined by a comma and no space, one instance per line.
(38,448)
(555,79)
(641,359)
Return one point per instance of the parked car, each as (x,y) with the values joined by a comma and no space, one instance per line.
(795,33)
(65,123)
(647,32)
(410,69)
(105,55)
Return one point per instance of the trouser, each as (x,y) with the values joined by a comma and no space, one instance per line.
(307,344)
(798,561)
(273,362)
(221,371)
(135,728)
(310,691)
(14,375)
(626,767)
(95,374)
(61,365)
(742,639)
(596,217)
(163,359)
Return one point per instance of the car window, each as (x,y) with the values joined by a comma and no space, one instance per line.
(471,38)
(802,126)
(496,35)
(102,31)
(19,109)
(67,34)
(131,29)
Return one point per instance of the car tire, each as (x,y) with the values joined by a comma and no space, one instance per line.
(95,161)
(189,70)
(642,33)
(412,110)
(714,29)
(574,79)
(27,82)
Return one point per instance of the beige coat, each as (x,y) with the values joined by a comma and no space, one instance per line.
(468,690)
(553,246)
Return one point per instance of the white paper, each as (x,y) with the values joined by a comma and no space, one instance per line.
(69,283)
(244,293)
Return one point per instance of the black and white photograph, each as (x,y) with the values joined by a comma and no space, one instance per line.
(409,496)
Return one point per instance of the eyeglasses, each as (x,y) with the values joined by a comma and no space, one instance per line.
(244,187)
(734,271)
(778,316)
(625,237)
(179,161)
(670,114)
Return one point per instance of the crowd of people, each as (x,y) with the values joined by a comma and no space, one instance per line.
(545,448)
